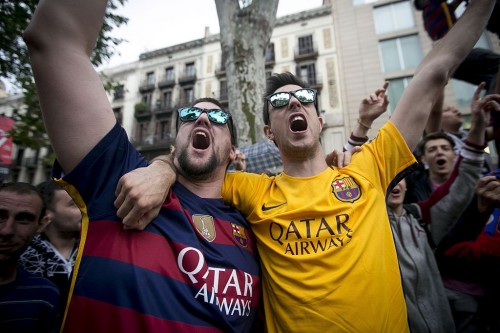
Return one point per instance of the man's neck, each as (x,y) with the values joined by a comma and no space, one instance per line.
(438,179)
(453,130)
(304,167)
(63,242)
(397,210)
(208,189)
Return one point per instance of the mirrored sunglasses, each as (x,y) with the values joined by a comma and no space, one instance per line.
(281,99)
(192,113)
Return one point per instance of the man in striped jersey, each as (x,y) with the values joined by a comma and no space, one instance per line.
(195,267)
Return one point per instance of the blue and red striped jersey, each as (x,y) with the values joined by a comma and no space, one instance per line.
(438,19)
(193,269)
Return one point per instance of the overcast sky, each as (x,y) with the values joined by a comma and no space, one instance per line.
(154,24)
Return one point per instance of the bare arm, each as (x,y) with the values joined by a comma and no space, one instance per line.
(434,121)
(412,112)
(141,192)
(444,207)
(75,108)
(480,111)
(370,109)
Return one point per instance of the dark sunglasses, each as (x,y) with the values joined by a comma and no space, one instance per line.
(192,113)
(281,99)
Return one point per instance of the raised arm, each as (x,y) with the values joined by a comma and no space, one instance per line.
(75,108)
(481,108)
(446,204)
(412,111)
(370,109)
(436,115)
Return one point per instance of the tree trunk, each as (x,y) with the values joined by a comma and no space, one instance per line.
(245,33)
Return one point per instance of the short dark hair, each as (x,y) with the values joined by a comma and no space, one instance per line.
(24,188)
(434,136)
(278,80)
(47,190)
(230,124)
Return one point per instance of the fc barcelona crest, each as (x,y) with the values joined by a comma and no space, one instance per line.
(239,235)
(346,189)
(205,226)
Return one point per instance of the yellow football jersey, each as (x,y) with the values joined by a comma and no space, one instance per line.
(328,256)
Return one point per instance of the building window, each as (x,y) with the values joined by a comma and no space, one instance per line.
(169,74)
(147,98)
(395,90)
(270,52)
(188,97)
(223,58)
(400,53)
(119,92)
(141,132)
(463,92)
(167,99)
(306,45)
(393,17)
(307,73)
(223,91)
(163,130)
(190,69)
(150,78)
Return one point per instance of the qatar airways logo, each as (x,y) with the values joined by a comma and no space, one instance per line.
(313,235)
(229,289)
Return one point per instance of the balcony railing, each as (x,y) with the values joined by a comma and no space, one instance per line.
(163,110)
(315,81)
(143,113)
(187,78)
(270,59)
(221,70)
(166,82)
(306,53)
(147,85)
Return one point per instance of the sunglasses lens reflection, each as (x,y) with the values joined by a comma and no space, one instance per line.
(282,99)
(216,116)
(305,95)
(189,114)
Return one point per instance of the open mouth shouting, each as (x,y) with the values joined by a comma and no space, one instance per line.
(297,122)
(396,192)
(440,162)
(201,139)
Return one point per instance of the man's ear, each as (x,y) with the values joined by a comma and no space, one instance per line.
(269,134)
(43,223)
(232,154)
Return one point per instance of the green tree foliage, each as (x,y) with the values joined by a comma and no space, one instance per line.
(15,15)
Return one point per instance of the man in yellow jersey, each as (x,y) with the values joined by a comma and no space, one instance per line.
(328,256)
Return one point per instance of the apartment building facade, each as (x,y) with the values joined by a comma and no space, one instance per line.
(345,49)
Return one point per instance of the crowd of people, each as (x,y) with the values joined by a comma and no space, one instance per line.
(403,229)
